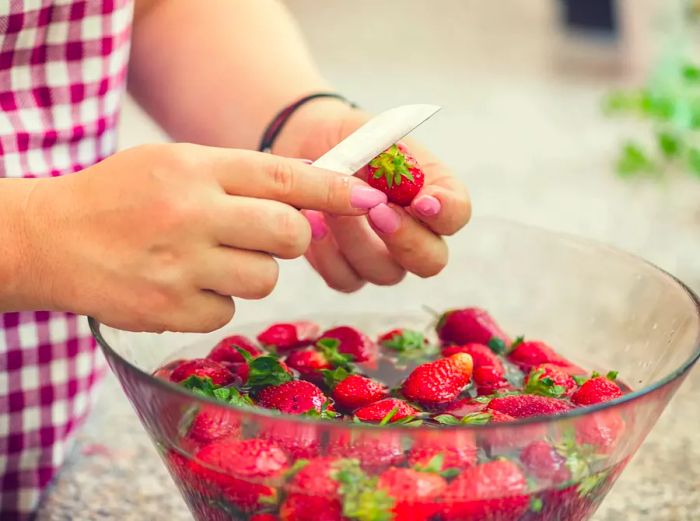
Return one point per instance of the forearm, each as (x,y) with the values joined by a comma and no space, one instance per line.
(216,72)
(18,282)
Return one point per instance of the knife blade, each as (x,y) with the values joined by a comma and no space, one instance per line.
(375,136)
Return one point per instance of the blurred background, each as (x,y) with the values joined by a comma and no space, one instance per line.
(529,88)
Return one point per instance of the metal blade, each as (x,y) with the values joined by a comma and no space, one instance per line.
(375,136)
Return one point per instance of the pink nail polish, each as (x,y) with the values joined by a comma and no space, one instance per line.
(319,228)
(384,218)
(366,197)
(427,205)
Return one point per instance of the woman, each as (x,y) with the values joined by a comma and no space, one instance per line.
(161,237)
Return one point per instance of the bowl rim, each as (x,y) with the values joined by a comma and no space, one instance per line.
(577,412)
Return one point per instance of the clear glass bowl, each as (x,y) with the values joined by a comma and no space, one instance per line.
(599,307)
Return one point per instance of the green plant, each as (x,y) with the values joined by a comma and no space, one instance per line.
(670,103)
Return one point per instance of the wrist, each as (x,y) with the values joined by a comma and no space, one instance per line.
(310,130)
(21,279)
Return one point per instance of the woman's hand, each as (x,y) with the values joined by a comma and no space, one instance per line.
(348,251)
(161,237)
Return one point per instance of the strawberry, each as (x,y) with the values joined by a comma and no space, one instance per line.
(213,423)
(439,382)
(313,493)
(596,390)
(353,343)
(544,463)
(297,440)
(290,335)
(482,356)
(492,491)
(250,461)
(489,380)
(165,372)
(358,391)
(309,363)
(202,368)
(241,370)
(469,325)
(526,405)
(227,349)
(294,397)
(549,380)
(529,354)
(388,410)
(373,450)
(264,517)
(443,450)
(396,173)
(603,430)
(416,495)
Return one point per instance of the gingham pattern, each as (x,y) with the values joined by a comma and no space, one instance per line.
(62,74)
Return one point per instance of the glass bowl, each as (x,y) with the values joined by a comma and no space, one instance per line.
(601,308)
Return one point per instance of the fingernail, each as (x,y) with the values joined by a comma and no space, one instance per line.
(307,161)
(384,218)
(427,205)
(366,197)
(319,228)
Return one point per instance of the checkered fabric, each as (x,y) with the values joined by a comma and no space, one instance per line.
(62,74)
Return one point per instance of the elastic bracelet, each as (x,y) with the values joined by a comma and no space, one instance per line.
(278,122)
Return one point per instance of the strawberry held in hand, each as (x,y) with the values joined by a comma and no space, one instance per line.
(396,173)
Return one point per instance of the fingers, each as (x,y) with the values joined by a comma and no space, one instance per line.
(364,251)
(205,312)
(443,204)
(261,225)
(325,257)
(237,273)
(411,244)
(291,181)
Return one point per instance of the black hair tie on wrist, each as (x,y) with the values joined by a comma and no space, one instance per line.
(278,122)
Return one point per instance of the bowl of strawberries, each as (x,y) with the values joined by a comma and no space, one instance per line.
(522,397)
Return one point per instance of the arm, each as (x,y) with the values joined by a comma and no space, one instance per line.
(216,72)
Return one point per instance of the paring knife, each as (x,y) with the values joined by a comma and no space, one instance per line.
(375,136)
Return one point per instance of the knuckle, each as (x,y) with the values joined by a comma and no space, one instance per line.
(282,177)
(336,189)
(293,233)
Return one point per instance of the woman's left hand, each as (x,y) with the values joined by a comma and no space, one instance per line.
(381,248)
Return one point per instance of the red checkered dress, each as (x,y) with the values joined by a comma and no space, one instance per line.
(62,74)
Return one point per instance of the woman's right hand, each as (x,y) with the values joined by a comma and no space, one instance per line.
(160,237)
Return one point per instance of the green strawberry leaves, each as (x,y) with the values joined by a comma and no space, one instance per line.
(361,499)
(264,370)
(324,414)
(542,385)
(498,346)
(474,418)
(205,387)
(409,343)
(391,164)
(434,466)
(329,348)
(333,377)
(610,375)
